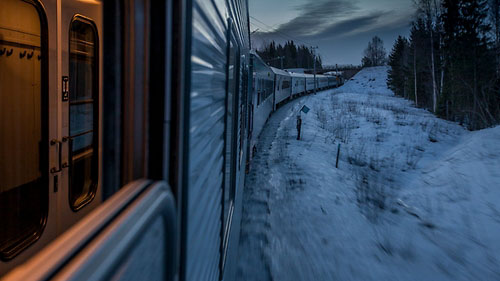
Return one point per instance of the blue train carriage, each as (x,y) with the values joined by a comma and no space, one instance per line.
(298,84)
(340,80)
(282,86)
(218,138)
(262,98)
(322,81)
(332,81)
(309,83)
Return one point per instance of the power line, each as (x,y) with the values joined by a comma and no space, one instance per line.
(267,30)
(284,34)
(272,29)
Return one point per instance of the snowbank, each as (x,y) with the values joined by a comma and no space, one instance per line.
(414,197)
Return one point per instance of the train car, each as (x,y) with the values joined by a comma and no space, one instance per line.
(51,122)
(322,81)
(298,83)
(340,80)
(282,86)
(262,100)
(143,182)
(332,81)
(309,83)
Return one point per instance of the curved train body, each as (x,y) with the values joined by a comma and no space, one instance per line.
(272,87)
(126,131)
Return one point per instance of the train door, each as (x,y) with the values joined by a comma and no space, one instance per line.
(25,155)
(80,128)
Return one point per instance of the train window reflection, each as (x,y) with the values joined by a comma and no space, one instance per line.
(286,84)
(83,112)
(23,147)
(228,171)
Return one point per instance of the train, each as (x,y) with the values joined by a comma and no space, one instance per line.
(127,128)
(272,87)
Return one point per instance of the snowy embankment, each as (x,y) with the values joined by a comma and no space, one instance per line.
(414,197)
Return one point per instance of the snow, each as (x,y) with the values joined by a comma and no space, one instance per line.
(414,197)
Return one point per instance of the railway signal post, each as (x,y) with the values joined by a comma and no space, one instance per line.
(304,109)
(299,125)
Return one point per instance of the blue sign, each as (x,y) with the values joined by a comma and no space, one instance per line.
(305,109)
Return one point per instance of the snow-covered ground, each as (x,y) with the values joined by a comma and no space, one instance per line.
(414,197)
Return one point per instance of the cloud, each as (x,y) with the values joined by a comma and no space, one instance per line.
(327,19)
(375,21)
(351,26)
(316,15)
(340,28)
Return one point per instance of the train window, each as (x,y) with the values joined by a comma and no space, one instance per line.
(286,84)
(231,137)
(229,134)
(83,111)
(23,125)
(243,102)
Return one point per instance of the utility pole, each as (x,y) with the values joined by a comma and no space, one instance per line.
(313,50)
(278,58)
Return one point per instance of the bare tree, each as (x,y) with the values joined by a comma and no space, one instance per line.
(375,54)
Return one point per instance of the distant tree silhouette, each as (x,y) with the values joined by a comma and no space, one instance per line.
(294,56)
(375,54)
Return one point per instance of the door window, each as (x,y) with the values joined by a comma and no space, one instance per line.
(23,126)
(83,112)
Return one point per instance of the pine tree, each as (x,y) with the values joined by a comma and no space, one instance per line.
(453,47)
(398,62)
(470,63)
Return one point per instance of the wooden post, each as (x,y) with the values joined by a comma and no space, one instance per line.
(299,125)
(338,154)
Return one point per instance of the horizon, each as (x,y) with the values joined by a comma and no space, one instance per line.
(341,29)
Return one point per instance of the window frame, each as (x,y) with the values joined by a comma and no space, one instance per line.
(231,187)
(95,122)
(286,84)
(243,98)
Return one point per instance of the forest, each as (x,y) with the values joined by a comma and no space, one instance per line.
(450,64)
(289,56)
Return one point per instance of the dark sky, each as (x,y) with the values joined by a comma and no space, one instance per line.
(340,28)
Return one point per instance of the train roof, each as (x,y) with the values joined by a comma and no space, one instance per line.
(333,73)
(279,71)
(295,74)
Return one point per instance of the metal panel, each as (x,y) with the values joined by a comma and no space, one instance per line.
(240,23)
(206,128)
(206,131)
(309,82)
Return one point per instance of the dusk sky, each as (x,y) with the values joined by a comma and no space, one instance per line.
(340,28)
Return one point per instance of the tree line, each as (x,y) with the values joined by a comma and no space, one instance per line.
(292,56)
(450,64)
